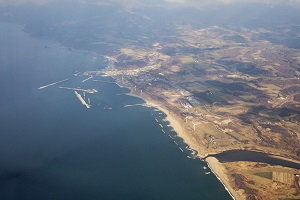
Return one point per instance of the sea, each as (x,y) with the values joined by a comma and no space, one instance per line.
(54,148)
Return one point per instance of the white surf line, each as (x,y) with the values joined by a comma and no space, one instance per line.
(45,86)
(220,181)
(87,79)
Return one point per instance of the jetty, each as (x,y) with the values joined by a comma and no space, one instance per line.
(81,100)
(87,79)
(51,84)
(134,105)
(90,91)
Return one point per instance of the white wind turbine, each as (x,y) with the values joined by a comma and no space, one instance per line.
(186,118)
(194,126)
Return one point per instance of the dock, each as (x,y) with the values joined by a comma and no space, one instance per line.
(51,84)
(81,100)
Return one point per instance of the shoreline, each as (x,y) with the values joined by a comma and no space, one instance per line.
(174,123)
(215,166)
(212,162)
(217,169)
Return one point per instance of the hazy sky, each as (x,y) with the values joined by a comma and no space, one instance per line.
(16,2)
(178,2)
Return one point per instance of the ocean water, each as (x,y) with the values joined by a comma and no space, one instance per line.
(52,147)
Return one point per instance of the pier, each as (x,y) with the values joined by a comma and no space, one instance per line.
(134,105)
(81,100)
(90,91)
(51,84)
(87,79)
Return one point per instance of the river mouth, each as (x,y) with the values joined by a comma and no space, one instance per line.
(253,156)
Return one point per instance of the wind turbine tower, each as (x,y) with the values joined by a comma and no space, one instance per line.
(194,126)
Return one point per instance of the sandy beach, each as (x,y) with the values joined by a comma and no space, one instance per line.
(218,169)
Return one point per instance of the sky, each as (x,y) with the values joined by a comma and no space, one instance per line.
(174,2)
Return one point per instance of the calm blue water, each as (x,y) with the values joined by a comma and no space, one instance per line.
(52,147)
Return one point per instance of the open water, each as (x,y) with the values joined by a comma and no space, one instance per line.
(52,147)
